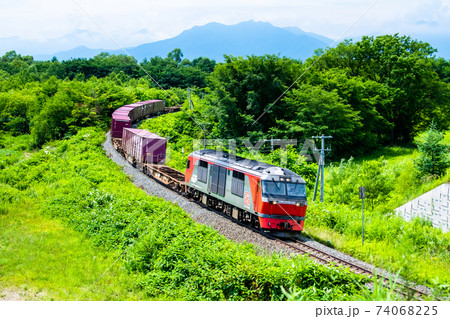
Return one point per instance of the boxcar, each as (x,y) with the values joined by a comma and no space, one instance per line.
(141,146)
(126,115)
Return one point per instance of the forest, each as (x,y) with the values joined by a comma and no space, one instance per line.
(366,94)
(379,98)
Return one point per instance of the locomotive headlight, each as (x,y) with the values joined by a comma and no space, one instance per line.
(274,202)
(281,179)
(288,179)
(298,204)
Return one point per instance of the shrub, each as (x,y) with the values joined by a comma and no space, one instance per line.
(433,157)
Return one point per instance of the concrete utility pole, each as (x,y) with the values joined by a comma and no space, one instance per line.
(203,127)
(190,100)
(320,169)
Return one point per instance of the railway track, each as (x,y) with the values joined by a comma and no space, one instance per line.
(321,256)
(174,180)
(329,259)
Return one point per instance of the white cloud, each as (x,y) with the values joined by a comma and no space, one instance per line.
(125,20)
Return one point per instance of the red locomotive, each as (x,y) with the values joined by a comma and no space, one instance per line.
(268,197)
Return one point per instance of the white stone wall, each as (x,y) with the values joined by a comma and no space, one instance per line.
(434,205)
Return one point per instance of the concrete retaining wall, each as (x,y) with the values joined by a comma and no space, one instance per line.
(434,205)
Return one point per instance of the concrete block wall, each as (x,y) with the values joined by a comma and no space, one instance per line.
(434,205)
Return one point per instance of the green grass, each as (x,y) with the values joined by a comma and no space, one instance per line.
(69,203)
(41,259)
(397,257)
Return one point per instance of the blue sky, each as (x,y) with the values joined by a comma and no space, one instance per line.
(132,22)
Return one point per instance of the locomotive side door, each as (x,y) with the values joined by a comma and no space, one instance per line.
(256,201)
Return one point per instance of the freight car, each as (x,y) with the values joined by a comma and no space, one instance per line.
(126,115)
(141,146)
(268,197)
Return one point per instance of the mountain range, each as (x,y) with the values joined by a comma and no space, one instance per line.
(212,40)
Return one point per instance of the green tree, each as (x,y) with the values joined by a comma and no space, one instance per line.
(176,55)
(49,124)
(245,87)
(377,181)
(369,98)
(172,71)
(407,68)
(14,110)
(311,110)
(433,157)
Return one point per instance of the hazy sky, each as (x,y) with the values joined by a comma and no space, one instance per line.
(132,22)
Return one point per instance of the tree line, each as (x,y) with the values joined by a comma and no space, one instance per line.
(366,94)
(172,71)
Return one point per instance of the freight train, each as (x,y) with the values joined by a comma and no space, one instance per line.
(269,198)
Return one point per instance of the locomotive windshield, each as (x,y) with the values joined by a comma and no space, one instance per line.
(283,189)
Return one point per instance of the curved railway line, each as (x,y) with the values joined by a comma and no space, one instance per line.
(330,259)
(174,180)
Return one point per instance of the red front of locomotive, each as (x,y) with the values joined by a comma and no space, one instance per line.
(283,201)
(288,217)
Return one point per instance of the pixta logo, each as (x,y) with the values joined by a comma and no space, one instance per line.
(307,152)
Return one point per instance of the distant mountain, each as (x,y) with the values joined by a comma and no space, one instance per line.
(213,40)
(47,48)
(78,52)
(322,38)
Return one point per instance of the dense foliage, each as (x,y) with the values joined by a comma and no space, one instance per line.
(172,71)
(54,109)
(366,94)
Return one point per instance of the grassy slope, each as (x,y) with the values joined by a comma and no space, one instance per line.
(74,186)
(42,259)
(397,252)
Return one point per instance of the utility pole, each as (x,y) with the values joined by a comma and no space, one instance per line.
(362,195)
(320,169)
(190,100)
(203,127)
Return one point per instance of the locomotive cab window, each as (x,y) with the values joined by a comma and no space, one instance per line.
(296,190)
(188,165)
(285,190)
(202,171)
(237,184)
(274,188)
